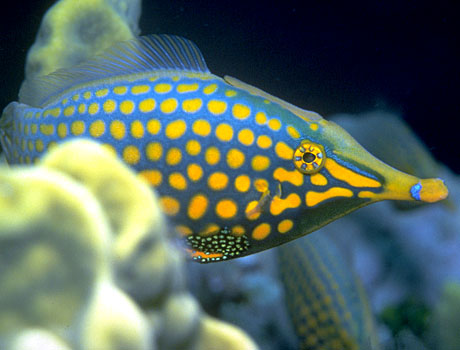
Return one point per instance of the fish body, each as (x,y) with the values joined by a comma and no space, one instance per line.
(237,170)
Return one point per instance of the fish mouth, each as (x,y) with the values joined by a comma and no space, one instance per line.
(430,190)
(401,186)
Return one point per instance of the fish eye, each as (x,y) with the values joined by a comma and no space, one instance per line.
(309,157)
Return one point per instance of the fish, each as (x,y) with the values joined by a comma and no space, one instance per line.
(325,299)
(237,170)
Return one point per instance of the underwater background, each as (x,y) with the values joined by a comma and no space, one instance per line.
(329,57)
(396,59)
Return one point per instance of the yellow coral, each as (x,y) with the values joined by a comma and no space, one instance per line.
(114,321)
(216,334)
(72,31)
(53,246)
(33,339)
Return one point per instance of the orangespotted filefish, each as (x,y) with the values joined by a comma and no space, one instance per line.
(326,301)
(237,170)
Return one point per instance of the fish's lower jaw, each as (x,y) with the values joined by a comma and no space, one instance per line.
(410,188)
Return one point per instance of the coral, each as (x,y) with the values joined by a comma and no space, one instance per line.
(53,249)
(33,339)
(216,334)
(81,230)
(72,31)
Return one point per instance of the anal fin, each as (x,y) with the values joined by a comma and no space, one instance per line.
(218,246)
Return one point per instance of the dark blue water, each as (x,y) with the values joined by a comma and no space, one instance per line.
(322,56)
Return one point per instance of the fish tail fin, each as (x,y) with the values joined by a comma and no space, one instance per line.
(6,129)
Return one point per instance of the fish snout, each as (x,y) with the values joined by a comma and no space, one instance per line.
(430,190)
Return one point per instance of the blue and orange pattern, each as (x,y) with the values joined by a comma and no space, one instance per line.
(238,171)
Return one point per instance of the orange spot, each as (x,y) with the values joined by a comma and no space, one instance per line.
(274,124)
(174,156)
(176,129)
(278,205)
(131,154)
(264,141)
(261,231)
(193,147)
(147,105)
(292,132)
(201,127)
(253,210)
(192,105)
(169,105)
(154,151)
(210,230)
(217,107)
(235,158)
(154,177)
(197,206)
(210,89)
(238,230)
(242,183)
(170,205)
(261,185)
(285,226)
(212,155)
(349,176)
(177,181)
(224,132)
(203,255)
(318,179)
(240,111)
(261,118)
(127,107)
(226,208)
(137,129)
(313,198)
(217,181)
(246,137)
(260,163)
(184,230)
(284,151)
(294,176)
(194,172)
(153,126)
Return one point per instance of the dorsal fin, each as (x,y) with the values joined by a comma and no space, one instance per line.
(301,113)
(136,56)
